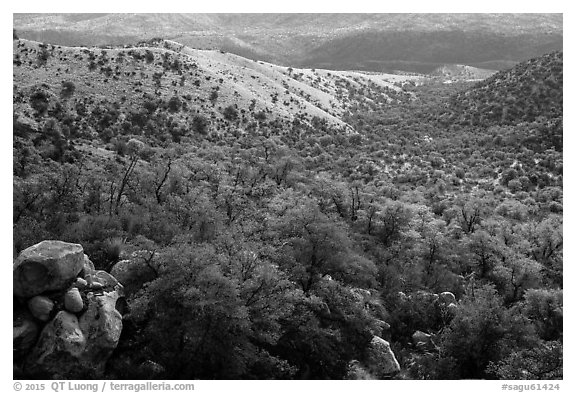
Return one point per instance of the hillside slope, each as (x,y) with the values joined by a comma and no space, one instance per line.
(529,90)
(129,86)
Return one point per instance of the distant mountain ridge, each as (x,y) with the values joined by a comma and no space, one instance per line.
(371,42)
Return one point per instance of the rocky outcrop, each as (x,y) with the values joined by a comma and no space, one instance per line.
(47,266)
(66,324)
(59,348)
(381,361)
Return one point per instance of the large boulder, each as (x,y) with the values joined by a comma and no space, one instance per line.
(47,266)
(107,283)
(133,274)
(102,325)
(59,348)
(381,360)
(447,298)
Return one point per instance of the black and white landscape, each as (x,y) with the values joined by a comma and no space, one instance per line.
(288,196)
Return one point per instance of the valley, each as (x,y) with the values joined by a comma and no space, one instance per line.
(260,221)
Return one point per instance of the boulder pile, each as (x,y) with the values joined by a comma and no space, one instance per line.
(65,323)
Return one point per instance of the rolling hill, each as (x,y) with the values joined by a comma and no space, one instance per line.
(523,93)
(167,86)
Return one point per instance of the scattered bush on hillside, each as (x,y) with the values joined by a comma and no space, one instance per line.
(39,101)
(230,113)
(149,56)
(200,124)
(174,104)
(68,89)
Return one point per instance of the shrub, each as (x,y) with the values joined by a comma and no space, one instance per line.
(149,56)
(39,101)
(260,116)
(200,124)
(43,56)
(230,113)
(68,89)
(174,104)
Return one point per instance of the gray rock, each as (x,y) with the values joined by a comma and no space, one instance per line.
(59,348)
(41,307)
(96,286)
(421,338)
(380,328)
(385,326)
(46,266)
(73,301)
(77,348)
(80,283)
(447,298)
(102,325)
(87,270)
(108,282)
(381,360)
(133,274)
(121,269)
(106,279)
(25,331)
